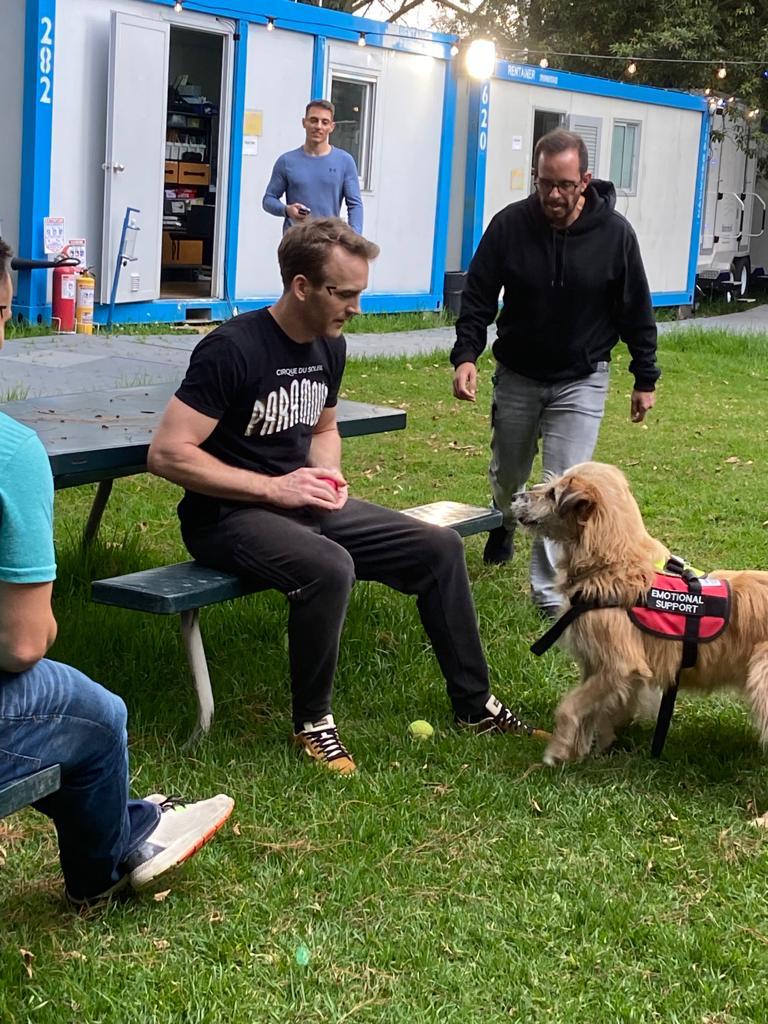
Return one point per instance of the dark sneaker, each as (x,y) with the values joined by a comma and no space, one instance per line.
(320,741)
(183,829)
(496,718)
(499,547)
(102,898)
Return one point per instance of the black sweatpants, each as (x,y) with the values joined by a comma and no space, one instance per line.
(314,558)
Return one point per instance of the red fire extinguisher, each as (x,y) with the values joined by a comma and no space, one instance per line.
(64,296)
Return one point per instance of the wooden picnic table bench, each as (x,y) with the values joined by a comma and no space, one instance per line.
(186,587)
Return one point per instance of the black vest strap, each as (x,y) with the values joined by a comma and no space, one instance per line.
(690,652)
(556,630)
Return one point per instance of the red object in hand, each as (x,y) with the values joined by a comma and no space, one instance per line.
(329,480)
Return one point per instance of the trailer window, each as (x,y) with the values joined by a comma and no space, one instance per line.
(354,100)
(625,150)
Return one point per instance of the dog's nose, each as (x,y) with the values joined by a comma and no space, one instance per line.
(519,496)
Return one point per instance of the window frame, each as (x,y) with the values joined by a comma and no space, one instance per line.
(367,119)
(626,122)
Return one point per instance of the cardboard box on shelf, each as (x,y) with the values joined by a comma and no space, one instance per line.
(182,252)
(194,174)
(171,170)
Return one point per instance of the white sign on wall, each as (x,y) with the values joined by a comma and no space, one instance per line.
(53,235)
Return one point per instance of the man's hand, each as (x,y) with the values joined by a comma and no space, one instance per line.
(312,486)
(296,211)
(640,403)
(465,382)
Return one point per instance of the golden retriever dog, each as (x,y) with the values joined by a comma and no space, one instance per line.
(605,553)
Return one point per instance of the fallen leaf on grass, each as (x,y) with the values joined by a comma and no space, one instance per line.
(733,460)
(236,828)
(161,943)
(536,806)
(27,957)
(160,897)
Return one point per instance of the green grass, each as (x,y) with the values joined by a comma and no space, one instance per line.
(373,323)
(450,881)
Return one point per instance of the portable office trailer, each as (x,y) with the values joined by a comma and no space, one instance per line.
(734,211)
(650,142)
(181,115)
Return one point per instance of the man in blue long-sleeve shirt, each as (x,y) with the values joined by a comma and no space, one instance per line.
(315,177)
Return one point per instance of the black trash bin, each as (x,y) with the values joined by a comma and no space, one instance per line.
(453,286)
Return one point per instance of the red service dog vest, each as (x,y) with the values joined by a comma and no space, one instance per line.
(687,607)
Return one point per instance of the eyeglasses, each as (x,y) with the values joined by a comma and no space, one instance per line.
(344,295)
(565,188)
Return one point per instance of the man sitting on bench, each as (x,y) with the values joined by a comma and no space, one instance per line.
(52,714)
(251,435)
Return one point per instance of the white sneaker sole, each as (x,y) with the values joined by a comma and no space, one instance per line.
(178,852)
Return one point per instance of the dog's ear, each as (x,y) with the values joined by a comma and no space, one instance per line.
(576,502)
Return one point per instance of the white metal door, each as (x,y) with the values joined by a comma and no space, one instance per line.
(134,168)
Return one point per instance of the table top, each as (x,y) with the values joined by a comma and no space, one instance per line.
(102,435)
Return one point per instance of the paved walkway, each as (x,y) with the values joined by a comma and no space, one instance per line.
(64,364)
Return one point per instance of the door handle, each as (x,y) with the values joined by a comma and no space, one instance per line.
(118,167)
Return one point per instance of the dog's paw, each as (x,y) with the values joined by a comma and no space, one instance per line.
(555,755)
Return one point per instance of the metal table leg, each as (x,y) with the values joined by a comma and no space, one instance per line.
(97,511)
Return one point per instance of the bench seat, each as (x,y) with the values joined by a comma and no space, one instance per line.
(26,790)
(186,587)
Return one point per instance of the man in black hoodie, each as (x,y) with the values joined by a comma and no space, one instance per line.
(574,284)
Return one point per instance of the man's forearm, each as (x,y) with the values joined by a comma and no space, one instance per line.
(325,449)
(196,470)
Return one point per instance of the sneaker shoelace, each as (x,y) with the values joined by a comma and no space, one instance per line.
(508,721)
(329,744)
(172,802)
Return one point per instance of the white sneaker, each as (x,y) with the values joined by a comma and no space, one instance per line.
(183,829)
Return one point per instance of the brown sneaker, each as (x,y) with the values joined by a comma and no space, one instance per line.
(320,740)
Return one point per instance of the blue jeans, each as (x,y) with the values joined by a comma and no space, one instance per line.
(566,416)
(53,714)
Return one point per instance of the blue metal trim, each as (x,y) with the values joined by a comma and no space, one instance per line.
(442,206)
(474,180)
(322,21)
(672,298)
(698,202)
(550,78)
(317,88)
(37,125)
(164,311)
(232,233)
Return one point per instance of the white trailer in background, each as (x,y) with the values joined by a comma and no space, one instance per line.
(652,143)
(734,210)
(180,111)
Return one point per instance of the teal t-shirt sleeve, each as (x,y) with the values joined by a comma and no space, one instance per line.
(26,516)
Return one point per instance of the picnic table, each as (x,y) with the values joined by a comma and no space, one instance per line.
(99,436)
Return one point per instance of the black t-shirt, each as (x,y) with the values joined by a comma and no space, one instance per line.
(267,392)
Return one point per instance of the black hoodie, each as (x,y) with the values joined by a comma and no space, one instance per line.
(569,295)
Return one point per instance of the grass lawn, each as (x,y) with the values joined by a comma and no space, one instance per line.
(449,881)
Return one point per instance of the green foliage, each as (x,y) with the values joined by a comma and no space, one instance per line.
(677,30)
(453,881)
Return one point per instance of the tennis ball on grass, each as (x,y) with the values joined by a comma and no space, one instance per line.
(420,730)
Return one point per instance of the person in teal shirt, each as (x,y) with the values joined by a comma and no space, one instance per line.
(51,714)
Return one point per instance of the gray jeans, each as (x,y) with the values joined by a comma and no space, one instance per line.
(566,416)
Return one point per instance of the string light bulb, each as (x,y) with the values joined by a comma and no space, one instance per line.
(362,40)
(722,71)
(178,7)
(543,63)
(631,68)
(454,50)
(270,24)
(707,91)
